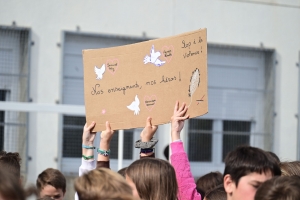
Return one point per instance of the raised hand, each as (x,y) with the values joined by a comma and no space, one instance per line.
(88,136)
(148,131)
(106,136)
(177,120)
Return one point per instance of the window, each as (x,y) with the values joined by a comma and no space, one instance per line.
(235,133)
(127,147)
(14,86)
(241,106)
(72,139)
(200,140)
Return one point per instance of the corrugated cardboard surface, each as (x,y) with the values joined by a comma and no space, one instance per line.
(157,72)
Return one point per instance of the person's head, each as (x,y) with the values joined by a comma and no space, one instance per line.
(123,172)
(102,183)
(209,181)
(246,168)
(279,188)
(274,156)
(290,168)
(10,162)
(51,182)
(10,187)
(152,178)
(218,193)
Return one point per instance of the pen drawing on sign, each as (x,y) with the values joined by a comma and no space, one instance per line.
(134,106)
(167,52)
(194,83)
(112,65)
(150,102)
(100,72)
(154,58)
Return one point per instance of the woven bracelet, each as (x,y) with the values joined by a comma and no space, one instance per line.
(87,157)
(87,147)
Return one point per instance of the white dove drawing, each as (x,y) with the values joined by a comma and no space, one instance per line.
(134,106)
(153,58)
(100,72)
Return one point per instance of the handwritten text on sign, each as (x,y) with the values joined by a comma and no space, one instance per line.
(126,84)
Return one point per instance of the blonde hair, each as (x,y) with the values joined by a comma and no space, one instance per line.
(154,179)
(102,183)
(290,168)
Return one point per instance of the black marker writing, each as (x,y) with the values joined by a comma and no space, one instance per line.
(186,45)
(167,79)
(123,88)
(95,91)
(186,55)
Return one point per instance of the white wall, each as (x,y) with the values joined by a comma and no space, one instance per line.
(228,22)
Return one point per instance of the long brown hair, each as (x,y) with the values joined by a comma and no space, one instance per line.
(10,187)
(155,179)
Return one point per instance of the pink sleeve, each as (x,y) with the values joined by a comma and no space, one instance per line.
(186,183)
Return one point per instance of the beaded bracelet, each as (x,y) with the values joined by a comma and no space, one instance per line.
(103,152)
(87,147)
(87,157)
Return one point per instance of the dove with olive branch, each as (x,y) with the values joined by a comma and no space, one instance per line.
(99,72)
(154,58)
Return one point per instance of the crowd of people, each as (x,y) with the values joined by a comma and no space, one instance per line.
(250,173)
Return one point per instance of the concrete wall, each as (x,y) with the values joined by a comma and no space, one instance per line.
(273,24)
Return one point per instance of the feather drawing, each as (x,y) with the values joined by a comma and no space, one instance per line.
(195,81)
(134,106)
(99,72)
(154,58)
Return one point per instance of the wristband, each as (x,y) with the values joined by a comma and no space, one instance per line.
(87,147)
(87,157)
(103,152)
(147,150)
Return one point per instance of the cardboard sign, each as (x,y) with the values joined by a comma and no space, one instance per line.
(126,84)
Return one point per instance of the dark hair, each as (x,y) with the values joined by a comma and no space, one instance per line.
(218,193)
(10,187)
(209,181)
(10,162)
(154,179)
(279,188)
(166,152)
(245,160)
(51,177)
(274,156)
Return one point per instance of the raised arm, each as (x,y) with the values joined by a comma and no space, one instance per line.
(104,147)
(147,142)
(88,137)
(179,159)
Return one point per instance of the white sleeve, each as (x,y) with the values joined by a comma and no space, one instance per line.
(85,167)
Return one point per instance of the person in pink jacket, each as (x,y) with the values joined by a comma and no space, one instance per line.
(179,159)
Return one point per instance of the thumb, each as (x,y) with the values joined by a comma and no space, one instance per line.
(148,122)
(154,127)
(107,124)
(92,125)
